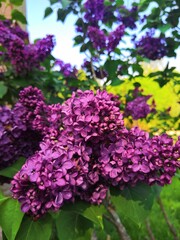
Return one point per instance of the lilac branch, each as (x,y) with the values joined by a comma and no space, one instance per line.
(150,232)
(170,226)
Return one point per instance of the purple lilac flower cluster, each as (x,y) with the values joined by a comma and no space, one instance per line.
(66,69)
(97,37)
(101,42)
(138,108)
(23,57)
(151,47)
(15,138)
(128,17)
(94,11)
(135,157)
(23,127)
(115,37)
(86,149)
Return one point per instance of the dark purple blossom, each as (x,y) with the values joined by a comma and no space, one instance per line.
(66,69)
(128,17)
(138,108)
(24,57)
(85,149)
(15,137)
(115,37)
(94,11)
(92,115)
(97,37)
(151,47)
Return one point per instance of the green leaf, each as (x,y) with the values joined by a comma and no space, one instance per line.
(91,212)
(134,203)
(119,2)
(65,3)
(143,5)
(53,1)
(84,47)
(17,2)
(3,89)
(116,81)
(2,198)
(18,16)
(162,81)
(71,225)
(10,218)
(33,230)
(78,39)
(107,3)
(111,67)
(61,15)
(164,28)
(48,11)
(13,169)
(137,68)
(2,17)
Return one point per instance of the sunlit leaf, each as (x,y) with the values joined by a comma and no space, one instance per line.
(3,89)
(13,169)
(33,230)
(48,11)
(18,16)
(10,217)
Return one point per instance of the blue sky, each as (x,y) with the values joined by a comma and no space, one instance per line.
(64,33)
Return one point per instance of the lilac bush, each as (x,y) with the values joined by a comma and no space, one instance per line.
(151,47)
(23,56)
(84,150)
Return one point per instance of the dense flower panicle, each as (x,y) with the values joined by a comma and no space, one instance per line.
(164,158)
(66,69)
(94,11)
(97,38)
(24,57)
(151,47)
(135,157)
(138,108)
(102,42)
(29,100)
(129,17)
(115,37)
(108,14)
(30,97)
(45,181)
(44,47)
(85,149)
(47,119)
(16,140)
(92,115)
(14,28)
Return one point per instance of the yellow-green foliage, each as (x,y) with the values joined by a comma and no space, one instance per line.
(165,97)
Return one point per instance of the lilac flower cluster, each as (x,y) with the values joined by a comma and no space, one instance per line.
(86,149)
(101,42)
(128,17)
(135,157)
(94,11)
(115,37)
(23,57)
(66,69)
(97,37)
(151,47)
(138,108)
(15,29)
(15,138)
